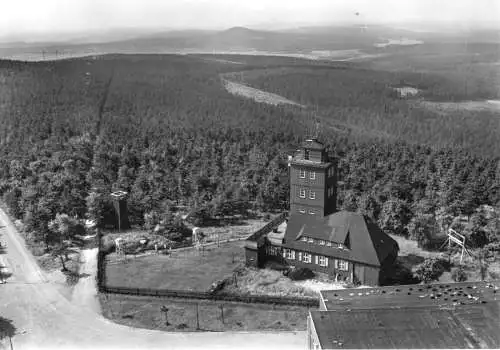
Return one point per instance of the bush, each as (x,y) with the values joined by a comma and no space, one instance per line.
(300,274)
(459,274)
(430,269)
(108,247)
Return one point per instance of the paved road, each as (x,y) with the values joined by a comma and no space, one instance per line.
(46,320)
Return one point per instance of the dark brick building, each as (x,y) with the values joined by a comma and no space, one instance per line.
(345,245)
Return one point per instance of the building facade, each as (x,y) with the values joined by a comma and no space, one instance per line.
(347,246)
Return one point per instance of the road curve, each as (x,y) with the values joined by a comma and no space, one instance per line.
(44,319)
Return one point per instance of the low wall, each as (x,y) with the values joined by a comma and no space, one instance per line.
(268,227)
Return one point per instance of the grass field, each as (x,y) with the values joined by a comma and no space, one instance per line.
(188,269)
(145,312)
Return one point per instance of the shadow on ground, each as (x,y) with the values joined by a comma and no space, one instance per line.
(72,277)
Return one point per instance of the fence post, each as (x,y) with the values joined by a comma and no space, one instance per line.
(222,313)
(197,317)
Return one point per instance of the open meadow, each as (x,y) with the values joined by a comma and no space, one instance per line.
(145,312)
(184,269)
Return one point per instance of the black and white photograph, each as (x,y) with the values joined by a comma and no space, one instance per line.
(223,174)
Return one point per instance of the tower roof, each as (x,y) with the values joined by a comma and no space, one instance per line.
(313,143)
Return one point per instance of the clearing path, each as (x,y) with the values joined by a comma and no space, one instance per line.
(256,94)
(44,319)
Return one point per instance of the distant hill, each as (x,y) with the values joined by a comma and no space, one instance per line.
(303,40)
(233,39)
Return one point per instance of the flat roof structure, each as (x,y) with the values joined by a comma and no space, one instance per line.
(419,295)
(452,315)
(396,329)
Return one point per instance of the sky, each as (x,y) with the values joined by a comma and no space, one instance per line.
(25,18)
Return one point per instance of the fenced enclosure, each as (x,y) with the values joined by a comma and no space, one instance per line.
(201,294)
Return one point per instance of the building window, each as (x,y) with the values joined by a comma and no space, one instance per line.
(328,244)
(306,154)
(307,258)
(321,242)
(273,250)
(323,261)
(343,265)
(312,175)
(310,240)
(302,193)
(302,173)
(302,211)
(289,254)
(300,256)
(311,212)
(312,195)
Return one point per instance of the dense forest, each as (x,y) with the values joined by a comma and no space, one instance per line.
(164,129)
(363,97)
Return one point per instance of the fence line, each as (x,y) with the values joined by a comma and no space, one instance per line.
(184,294)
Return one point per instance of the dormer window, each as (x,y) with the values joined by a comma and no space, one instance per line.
(328,244)
(321,242)
(302,173)
(306,154)
(304,239)
(310,240)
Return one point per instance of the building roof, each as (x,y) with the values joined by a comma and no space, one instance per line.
(474,305)
(396,329)
(310,163)
(369,244)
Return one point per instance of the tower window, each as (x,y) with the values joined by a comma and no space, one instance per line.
(312,175)
(302,193)
(302,174)
(312,195)
(306,154)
